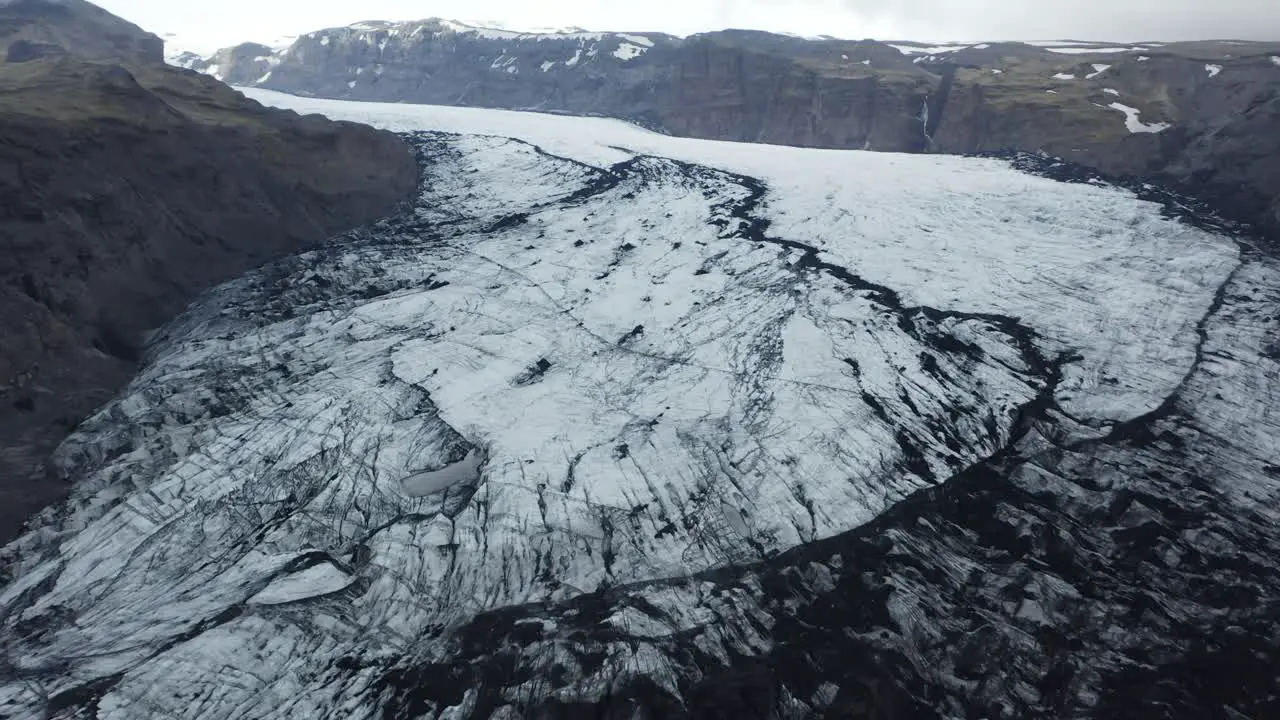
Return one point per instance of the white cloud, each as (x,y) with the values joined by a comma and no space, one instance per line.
(1108,20)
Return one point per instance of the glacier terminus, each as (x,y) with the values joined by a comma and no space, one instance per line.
(616,424)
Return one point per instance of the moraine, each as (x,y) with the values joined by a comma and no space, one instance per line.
(667,425)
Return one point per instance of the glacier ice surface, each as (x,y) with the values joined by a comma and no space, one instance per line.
(589,358)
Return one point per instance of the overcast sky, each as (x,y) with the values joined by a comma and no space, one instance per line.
(225,22)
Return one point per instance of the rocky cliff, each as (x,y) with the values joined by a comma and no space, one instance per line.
(1193,115)
(127,187)
(73,27)
(735,85)
(1184,112)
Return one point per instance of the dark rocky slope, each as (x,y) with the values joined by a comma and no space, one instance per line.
(73,27)
(1210,98)
(1240,161)
(126,187)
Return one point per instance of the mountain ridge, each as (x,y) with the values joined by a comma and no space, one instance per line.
(1159,110)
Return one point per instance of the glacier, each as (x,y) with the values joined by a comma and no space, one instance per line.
(614,422)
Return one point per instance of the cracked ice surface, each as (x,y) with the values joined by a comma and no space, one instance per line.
(1088,267)
(632,358)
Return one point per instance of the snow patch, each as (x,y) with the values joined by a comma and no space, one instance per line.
(1275,60)
(1098,69)
(1111,91)
(547,65)
(934,50)
(504,62)
(1091,50)
(492,33)
(324,40)
(626,51)
(1064,76)
(640,40)
(1134,124)
(1213,70)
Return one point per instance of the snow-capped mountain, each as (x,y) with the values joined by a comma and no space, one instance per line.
(1205,112)
(614,423)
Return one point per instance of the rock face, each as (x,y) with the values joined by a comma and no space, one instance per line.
(1153,110)
(1238,161)
(612,424)
(1186,115)
(127,188)
(735,85)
